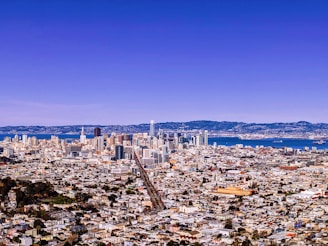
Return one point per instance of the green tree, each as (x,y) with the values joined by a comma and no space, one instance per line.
(228,224)
(16,240)
(38,222)
(172,243)
(112,197)
(241,230)
(236,242)
(246,242)
(255,235)
(106,188)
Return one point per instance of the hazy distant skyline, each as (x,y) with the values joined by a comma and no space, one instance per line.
(127,62)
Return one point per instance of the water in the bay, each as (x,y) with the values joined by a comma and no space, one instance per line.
(227,141)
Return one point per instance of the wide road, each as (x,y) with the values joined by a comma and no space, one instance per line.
(152,192)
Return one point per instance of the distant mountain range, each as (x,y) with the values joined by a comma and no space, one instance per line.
(225,128)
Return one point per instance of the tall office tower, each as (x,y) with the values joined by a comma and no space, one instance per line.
(160,142)
(201,138)
(83,138)
(176,139)
(165,153)
(206,137)
(152,128)
(127,137)
(119,139)
(119,152)
(54,139)
(24,139)
(160,134)
(146,153)
(135,141)
(97,132)
(155,143)
(126,140)
(34,141)
(111,140)
(100,143)
(198,140)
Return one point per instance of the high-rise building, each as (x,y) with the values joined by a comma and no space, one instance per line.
(111,140)
(83,138)
(206,137)
(126,137)
(100,143)
(152,128)
(160,133)
(24,139)
(97,132)
(198,140)
(119,152)
(201,138)
(146,153)
(176,138)
(119,139)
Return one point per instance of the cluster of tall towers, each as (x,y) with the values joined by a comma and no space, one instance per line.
(154,146)
(103,142)
(197,140)
(200,139)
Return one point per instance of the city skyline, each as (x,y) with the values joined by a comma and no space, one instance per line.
(106,63)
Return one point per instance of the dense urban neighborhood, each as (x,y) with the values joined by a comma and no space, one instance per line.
(160,189)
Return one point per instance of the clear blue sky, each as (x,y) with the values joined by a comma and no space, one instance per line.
(121,62)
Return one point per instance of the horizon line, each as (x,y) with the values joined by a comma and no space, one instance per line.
(133,124)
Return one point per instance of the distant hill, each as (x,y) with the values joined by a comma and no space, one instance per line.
(214,127)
